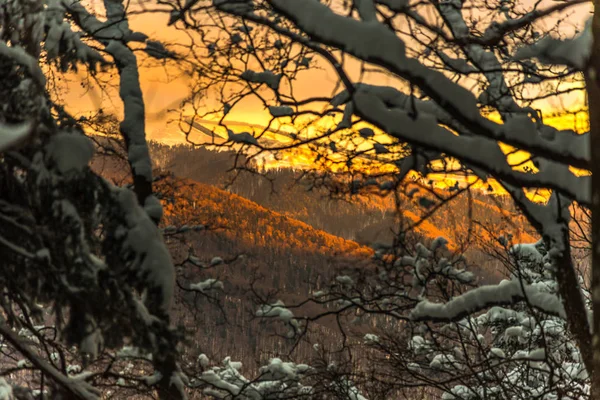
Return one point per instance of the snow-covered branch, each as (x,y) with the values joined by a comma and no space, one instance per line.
(277,380)
(78,388)
(380,46)
(473,150)
(11,135)
(19,55)
(572,53)
(114,33)
(505,293)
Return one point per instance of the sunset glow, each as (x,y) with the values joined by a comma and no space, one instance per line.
(164,88)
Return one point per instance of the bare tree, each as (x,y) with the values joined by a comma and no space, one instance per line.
(467,81)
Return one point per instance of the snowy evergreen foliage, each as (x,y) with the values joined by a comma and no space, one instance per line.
(508,351)
(75,249)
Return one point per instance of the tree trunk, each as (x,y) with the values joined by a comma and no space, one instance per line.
(165,389)
(133,130)
(593,91)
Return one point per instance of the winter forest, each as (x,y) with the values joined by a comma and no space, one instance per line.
(299,199)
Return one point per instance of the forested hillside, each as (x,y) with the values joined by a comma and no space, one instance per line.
(256,251)
(366,219)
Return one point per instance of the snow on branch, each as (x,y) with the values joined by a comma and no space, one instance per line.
(69,152)
(484,61)
(79,388)
(376,44)
(20,56)
(133,126)
(278,380)
(573,52)
(62,41)
(366,9)
(115,28)
(113,34)
(11,134)
(475,151)
(143,240)
(393,98)
(281,111)
(506,292)
(243,137)
(267,77)
(279,310)
(206,285)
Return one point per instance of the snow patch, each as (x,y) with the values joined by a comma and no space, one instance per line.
(70,152)
(209,284)
(573,52)
(12,134)
(267,77)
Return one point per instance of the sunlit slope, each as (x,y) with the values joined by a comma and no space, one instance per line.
(367,219)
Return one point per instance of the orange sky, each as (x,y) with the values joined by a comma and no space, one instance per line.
(163,88)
